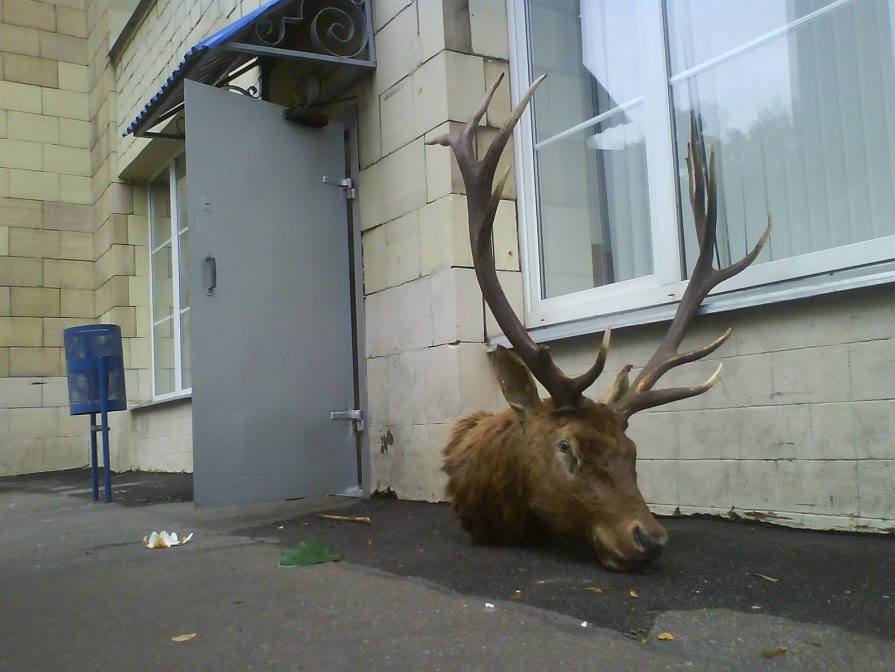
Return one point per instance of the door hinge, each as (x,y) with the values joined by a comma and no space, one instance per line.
(354,414)
(345,183)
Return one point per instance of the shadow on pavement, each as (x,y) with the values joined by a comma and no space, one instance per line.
(844,580)
(129,488)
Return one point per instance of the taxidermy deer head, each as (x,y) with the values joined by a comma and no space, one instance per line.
(564,465)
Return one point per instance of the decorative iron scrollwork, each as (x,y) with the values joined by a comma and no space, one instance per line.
(340,31)
(251,92)
(335,27)
(272,34)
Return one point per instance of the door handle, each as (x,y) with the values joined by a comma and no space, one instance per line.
(211,265)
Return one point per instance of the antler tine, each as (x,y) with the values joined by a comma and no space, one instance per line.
(696,181)
(482,203)
(462,142)
(703,198)
(587,378)
(495,149)
(476,117)
(651,398)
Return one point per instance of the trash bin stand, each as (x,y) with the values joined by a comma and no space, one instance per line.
(103,427)
(95,371)
(93,457)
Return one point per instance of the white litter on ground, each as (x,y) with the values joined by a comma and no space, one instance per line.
(165,539)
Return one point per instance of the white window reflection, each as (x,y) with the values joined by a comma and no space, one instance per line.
(590,154)
(797,97)
(169,252)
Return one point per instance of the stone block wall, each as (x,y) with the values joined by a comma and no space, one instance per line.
(162,437)
(46,228)
(425,322)
(152,437)
(800,428)
(73,235)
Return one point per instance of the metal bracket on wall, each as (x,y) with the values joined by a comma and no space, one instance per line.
(354,414)
(345,183)
(305,117)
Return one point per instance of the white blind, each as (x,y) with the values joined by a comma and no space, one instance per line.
(798,99)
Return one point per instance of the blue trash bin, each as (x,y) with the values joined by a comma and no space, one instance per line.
(95,368)
(84,346)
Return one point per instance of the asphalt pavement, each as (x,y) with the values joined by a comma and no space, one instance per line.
(78,591)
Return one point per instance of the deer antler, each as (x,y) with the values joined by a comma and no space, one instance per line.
(703,195)
(478,176)
(481,203)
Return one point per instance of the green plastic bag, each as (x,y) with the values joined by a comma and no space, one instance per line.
(306,553)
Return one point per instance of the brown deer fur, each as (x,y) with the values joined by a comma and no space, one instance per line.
(513,480)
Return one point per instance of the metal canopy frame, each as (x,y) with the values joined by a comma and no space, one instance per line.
(333,32)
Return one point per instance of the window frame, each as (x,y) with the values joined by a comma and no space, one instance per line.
(653,297)
(175,232)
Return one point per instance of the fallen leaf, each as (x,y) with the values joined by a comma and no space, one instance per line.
(184,638)
(665,636)
(594,589)
(633,593)
(770,653)
(364,520)
(369,542)
(766,577)
(639,635)
(306,553)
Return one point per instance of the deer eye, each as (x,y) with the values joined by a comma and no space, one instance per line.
(569,459)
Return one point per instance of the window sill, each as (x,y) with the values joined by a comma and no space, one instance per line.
(799,288)
(173,399)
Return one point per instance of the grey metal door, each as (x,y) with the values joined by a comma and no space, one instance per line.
(271,319)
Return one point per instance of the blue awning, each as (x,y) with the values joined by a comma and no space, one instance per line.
(333,32)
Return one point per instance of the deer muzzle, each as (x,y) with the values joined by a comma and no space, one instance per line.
(630,547)
(651,547)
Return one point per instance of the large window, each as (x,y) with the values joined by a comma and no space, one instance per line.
(169,245)
(796,96)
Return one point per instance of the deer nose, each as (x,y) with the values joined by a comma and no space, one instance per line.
(650,546)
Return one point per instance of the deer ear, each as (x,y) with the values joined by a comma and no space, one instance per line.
(618,388)
(516,382)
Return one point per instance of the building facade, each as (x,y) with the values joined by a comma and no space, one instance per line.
(593,231)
